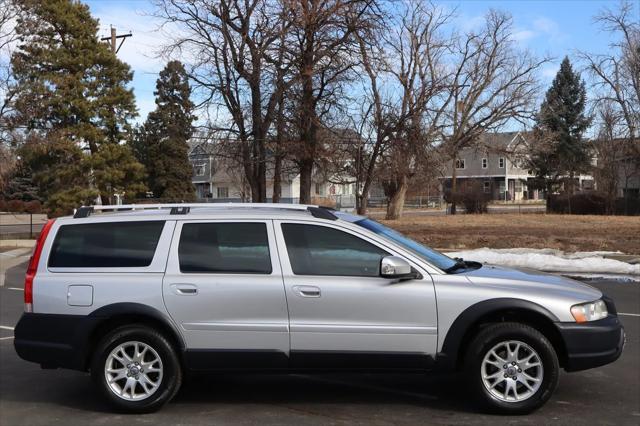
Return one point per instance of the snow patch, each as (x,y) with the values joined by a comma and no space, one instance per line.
(550,260)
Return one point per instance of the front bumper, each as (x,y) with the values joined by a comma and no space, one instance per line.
(592,344)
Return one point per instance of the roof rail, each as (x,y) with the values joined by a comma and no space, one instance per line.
(322,212)
(83,211)
(185,208)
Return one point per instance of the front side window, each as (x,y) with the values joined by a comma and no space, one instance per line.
(501,163)
(319,250)
(232,248)
(105,245)
(485,163)
(460,164)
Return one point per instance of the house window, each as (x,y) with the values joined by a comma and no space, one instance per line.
(487,187)
(460,163)
(485,163)
(318,189)
(198,169)
(223,192)
(501,162)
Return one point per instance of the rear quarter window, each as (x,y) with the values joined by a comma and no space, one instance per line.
(105,245)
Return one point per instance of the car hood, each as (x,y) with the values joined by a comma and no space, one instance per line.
(532,281)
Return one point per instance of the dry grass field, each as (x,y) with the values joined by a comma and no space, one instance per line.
(564,232)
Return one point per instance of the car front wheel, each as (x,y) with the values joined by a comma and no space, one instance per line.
(512,368)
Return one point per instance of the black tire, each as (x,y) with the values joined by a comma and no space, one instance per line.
(492,335)
(171,374)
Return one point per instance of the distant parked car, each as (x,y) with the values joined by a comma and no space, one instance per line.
(145,294)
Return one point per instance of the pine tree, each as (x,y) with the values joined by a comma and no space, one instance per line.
(71,96)
(19,186)
(161,144)
(559,151)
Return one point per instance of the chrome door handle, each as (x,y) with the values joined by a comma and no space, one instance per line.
(185,289)
(306,291)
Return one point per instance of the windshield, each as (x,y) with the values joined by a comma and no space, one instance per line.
(433,257)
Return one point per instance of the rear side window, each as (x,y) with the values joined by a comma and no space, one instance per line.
(105,245)
(319,250)
(232,248)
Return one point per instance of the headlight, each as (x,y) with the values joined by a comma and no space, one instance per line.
(591,311)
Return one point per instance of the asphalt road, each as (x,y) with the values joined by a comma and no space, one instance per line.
(31,396)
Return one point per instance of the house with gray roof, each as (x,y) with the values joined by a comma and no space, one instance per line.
(497,165)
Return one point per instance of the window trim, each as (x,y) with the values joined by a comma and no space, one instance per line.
(462,162)
(173,262)
(502,162)
(485,163)
(158,261)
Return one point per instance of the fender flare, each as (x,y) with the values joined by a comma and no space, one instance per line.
(108,312)
(450,353)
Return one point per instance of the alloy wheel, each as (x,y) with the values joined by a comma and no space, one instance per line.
(512,371)
(133,371)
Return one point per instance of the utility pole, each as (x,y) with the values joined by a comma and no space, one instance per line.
(112,39)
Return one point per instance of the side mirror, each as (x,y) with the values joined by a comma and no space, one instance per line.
(395,267)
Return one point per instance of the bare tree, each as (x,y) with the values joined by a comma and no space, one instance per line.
(606,147)
(323,48)
(237,62)
(8,37)
(417,52)
(492,83)
(403,62)
(364,152)
(617,88)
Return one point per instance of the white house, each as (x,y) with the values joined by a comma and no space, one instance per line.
(216,178)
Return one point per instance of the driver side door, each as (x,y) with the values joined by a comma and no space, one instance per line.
(341,312)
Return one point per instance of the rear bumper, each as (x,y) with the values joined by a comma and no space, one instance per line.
(593,344)
(54,340)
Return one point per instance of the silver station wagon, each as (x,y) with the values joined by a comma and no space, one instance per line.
(141,295)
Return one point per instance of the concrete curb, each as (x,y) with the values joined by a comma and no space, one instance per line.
(17,243)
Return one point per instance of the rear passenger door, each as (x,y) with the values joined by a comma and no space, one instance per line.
(223,287)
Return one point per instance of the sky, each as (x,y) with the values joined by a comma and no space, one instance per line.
(554,28)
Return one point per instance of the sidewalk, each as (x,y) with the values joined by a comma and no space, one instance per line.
(11,258)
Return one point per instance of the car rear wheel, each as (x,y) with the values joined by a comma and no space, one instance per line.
(137,369)
(512,368)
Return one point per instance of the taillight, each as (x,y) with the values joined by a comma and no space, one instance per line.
(33,266)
